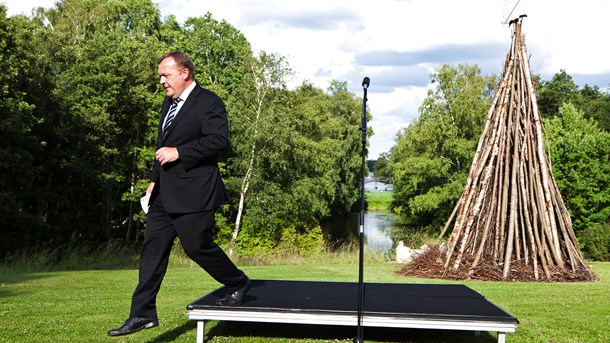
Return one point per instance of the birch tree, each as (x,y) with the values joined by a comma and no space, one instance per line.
(269,71)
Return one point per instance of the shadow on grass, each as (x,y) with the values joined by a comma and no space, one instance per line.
(9,278)
(339,333)
(172,335)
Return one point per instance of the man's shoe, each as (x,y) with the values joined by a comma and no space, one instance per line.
(235,298)
(134,325)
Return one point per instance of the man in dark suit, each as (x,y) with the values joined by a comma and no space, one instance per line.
(185,191)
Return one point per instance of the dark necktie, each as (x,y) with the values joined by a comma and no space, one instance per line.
(170,116)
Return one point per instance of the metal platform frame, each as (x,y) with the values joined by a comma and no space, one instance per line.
(347,319)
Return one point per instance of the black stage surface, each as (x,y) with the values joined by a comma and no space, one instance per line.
(428,306)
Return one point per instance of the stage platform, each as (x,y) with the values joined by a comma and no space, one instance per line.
(420,306)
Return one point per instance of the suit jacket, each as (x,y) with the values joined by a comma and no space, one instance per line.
(200,132)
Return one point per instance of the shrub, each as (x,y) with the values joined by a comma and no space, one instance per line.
(306,243)
(596,241)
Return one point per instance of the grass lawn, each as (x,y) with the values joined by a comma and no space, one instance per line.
(80,306)
(378,201)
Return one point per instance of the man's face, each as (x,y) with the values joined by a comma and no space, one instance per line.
(174,78)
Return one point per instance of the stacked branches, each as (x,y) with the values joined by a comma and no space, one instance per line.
(511,212)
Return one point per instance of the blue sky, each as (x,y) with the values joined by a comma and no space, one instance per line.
(399,43)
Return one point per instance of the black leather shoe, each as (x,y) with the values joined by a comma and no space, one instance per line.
(134,325)
(235,298)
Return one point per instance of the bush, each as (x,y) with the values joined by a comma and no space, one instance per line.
(308,243)
(596,241)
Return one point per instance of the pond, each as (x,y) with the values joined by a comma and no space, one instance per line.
(380,230)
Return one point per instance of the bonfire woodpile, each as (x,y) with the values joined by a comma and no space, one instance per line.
(510,222)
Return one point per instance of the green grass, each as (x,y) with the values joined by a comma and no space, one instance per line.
(378,201)
(80,306)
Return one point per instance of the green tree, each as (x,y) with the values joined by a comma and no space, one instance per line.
(20,149)
(381,168)
(432,156)
(552,94)
(81,108)
(269,73)
(323,151)
(307,167)
(561,89)
(595,104)
(102,64)
(580,155)
(345,115)
(221,53)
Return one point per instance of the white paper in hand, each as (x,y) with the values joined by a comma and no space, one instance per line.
(144,202)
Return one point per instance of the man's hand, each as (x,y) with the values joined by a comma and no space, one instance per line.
(149,190)
(167,155)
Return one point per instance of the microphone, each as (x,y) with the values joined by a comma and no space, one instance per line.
(366,82)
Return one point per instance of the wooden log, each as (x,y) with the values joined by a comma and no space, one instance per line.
(511,209)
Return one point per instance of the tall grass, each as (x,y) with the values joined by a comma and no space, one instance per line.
(110,255)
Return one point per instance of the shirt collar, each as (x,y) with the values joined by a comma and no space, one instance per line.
(185,94)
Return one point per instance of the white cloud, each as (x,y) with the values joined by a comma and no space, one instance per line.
(331,39)
(399,108)
(26,6)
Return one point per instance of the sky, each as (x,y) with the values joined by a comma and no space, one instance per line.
(399,43)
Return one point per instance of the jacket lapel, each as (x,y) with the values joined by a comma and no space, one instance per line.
(192,98)
(164,110)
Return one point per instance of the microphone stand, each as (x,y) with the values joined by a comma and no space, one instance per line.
(359,339)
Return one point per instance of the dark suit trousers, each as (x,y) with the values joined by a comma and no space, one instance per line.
(195,233)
